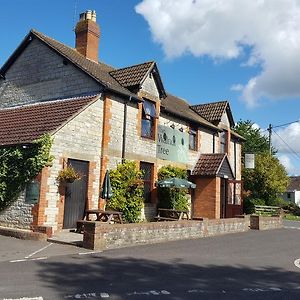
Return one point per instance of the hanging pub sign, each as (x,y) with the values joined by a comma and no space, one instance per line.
(172,144)
(249,160)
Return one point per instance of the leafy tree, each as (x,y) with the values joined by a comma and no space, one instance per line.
(128,187)
(19,165)
(172,198)
(269,178)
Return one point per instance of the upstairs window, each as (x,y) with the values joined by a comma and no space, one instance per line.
(193,139)
(223,142)
(148,117)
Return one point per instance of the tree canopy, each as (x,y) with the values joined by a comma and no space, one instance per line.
(269,178)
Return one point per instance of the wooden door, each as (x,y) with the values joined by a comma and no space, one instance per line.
(76,194)
(234,204)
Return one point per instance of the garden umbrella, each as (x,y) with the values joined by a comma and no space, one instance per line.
(176,182)
(106,192)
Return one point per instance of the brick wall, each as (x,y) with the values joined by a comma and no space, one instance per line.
(40,74)
(206,199)
(100,236)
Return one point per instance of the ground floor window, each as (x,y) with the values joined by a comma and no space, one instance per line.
(235,192)
(147,169)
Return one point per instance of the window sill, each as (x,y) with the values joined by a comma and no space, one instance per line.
(148,138)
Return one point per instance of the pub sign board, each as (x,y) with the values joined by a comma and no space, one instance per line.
(172,144)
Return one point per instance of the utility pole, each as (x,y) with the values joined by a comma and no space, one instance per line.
(270,137)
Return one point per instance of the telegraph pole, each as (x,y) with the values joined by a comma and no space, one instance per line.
(270,137)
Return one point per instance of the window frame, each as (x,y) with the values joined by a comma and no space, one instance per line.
(193,131)
(148,118)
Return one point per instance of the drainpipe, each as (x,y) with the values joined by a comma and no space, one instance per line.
(124,128)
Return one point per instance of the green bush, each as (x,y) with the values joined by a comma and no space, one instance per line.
(128,187)
(172,198)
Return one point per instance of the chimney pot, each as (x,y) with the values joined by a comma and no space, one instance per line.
(88,15)
(87,35)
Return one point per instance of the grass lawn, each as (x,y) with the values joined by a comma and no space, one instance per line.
(292,217)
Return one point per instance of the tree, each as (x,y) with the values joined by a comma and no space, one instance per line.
(127,186)
(268,179)
(255,141)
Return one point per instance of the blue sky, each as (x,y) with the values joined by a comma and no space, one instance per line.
(246,53)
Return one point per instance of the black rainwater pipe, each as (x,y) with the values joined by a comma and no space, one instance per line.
(124,128)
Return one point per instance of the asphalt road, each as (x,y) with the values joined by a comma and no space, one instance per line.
(256,265)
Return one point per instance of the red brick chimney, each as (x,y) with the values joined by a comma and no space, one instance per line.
(87,35)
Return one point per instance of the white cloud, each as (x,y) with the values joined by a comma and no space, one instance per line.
(265,32)
(289,164)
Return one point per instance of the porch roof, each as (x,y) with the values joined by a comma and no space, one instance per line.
(213,164)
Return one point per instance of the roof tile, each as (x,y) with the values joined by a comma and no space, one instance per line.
(24,124)
(208,164)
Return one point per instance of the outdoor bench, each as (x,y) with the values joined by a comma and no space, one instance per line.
(267,210)
(164,214)
(106,216)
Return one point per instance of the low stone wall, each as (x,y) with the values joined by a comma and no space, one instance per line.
(265,223)
(98,236)
(23,234)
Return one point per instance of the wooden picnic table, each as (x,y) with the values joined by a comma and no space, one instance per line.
(165,214)
(106,216)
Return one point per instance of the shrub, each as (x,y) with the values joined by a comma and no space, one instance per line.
(249,204)
(19,165)
(128,187)
(172,198)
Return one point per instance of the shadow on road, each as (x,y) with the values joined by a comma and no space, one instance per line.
(120,277)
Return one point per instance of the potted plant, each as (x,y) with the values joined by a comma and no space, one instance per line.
(69,174)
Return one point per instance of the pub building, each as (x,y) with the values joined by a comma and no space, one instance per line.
(97,116)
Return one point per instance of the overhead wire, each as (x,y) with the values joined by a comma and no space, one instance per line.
(291,149)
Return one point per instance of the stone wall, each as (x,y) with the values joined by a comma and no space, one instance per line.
(39,74)
(98,236)
(17,215)
(265,223)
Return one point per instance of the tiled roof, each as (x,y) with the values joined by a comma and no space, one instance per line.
(212,112)
(209,164)
(294,184)
(99,71)
(132,76)
(24,124)
(179,107)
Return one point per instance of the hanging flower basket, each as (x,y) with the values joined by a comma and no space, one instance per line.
(68,175)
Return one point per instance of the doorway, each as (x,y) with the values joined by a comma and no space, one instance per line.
(76,194)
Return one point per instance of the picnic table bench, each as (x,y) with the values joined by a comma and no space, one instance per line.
(106,216)
(267,210)
(164,214)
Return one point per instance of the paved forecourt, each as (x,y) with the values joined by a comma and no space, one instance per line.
(255,264)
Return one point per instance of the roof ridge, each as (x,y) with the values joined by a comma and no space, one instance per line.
(136,65)
(49,102)
(211,103)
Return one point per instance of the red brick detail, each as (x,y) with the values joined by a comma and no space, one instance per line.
(61,202)
(91,181)
(228,145)
(206,198)
(87,39)
(38,210)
